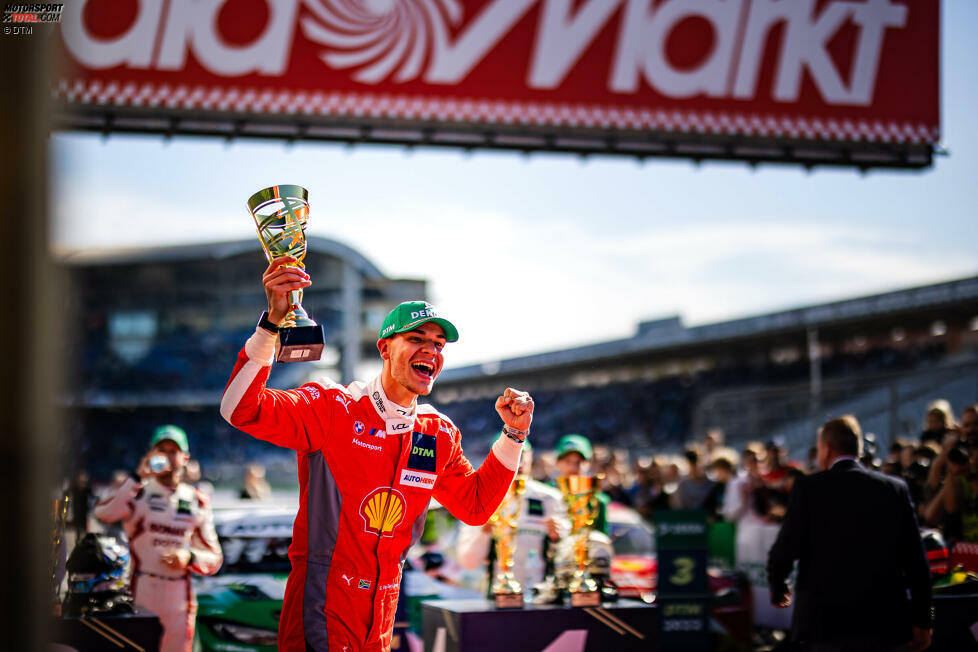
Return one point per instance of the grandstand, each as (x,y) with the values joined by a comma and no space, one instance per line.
(157,331)
(771,376)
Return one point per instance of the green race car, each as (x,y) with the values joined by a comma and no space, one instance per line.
(239,608)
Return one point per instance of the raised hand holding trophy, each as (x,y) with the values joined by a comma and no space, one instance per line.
(582,507)
(280,214)
(506,591)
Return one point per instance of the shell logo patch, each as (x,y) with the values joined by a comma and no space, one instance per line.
(382,511)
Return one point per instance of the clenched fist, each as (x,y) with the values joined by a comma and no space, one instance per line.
(515,408)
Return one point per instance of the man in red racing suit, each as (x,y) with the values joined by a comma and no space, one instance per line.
(370,459)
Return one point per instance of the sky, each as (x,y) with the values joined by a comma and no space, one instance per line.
(530,253)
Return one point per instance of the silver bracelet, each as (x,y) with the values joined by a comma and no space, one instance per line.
(515,434)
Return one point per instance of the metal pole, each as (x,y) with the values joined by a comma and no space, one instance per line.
(352,295)
(894,412)
(815,377)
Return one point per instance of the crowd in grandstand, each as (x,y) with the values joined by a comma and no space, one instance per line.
(753,483)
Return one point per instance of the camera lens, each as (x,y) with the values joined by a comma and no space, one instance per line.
(158,463)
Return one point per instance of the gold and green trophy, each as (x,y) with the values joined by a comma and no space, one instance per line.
(579,492)
(280,214)
(506,591)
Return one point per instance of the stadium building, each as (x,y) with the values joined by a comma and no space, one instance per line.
(158,330)
(768,377)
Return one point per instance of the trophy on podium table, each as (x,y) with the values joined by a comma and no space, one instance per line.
(582,508)
(280,214)
(506,591)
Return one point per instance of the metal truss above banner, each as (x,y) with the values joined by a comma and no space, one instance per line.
(815,82)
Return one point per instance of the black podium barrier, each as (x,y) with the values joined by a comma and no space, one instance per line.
(955,623)
(125,632)
(477,626)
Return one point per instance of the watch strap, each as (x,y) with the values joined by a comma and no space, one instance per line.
(267,325)
(515,434)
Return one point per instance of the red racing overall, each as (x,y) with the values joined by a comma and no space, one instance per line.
(367,470)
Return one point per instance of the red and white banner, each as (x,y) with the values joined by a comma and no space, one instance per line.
(818,70)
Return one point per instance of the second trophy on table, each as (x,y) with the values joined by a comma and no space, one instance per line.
(506,591)
(579,493)
(280,214)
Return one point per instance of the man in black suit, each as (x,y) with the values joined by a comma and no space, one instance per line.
(854,534)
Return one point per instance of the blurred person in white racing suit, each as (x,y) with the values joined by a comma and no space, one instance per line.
(171,534)
(542,522)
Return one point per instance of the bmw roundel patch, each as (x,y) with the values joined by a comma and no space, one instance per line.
(358,427)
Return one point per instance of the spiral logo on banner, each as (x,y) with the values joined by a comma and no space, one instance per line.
(379,38)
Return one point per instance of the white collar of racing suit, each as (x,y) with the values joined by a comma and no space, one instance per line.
(397,418)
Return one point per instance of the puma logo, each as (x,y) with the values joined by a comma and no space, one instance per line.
(348,579)
(344,401)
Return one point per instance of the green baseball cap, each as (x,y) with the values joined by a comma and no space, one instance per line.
(411,314)
(175,434)
(574,443)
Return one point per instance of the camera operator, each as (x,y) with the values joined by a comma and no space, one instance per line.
(171,534)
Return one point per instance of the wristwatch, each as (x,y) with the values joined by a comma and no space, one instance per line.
(266,324)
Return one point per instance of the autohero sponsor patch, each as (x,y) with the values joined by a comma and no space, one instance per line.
(534,506)
(423,449)
(420,479)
